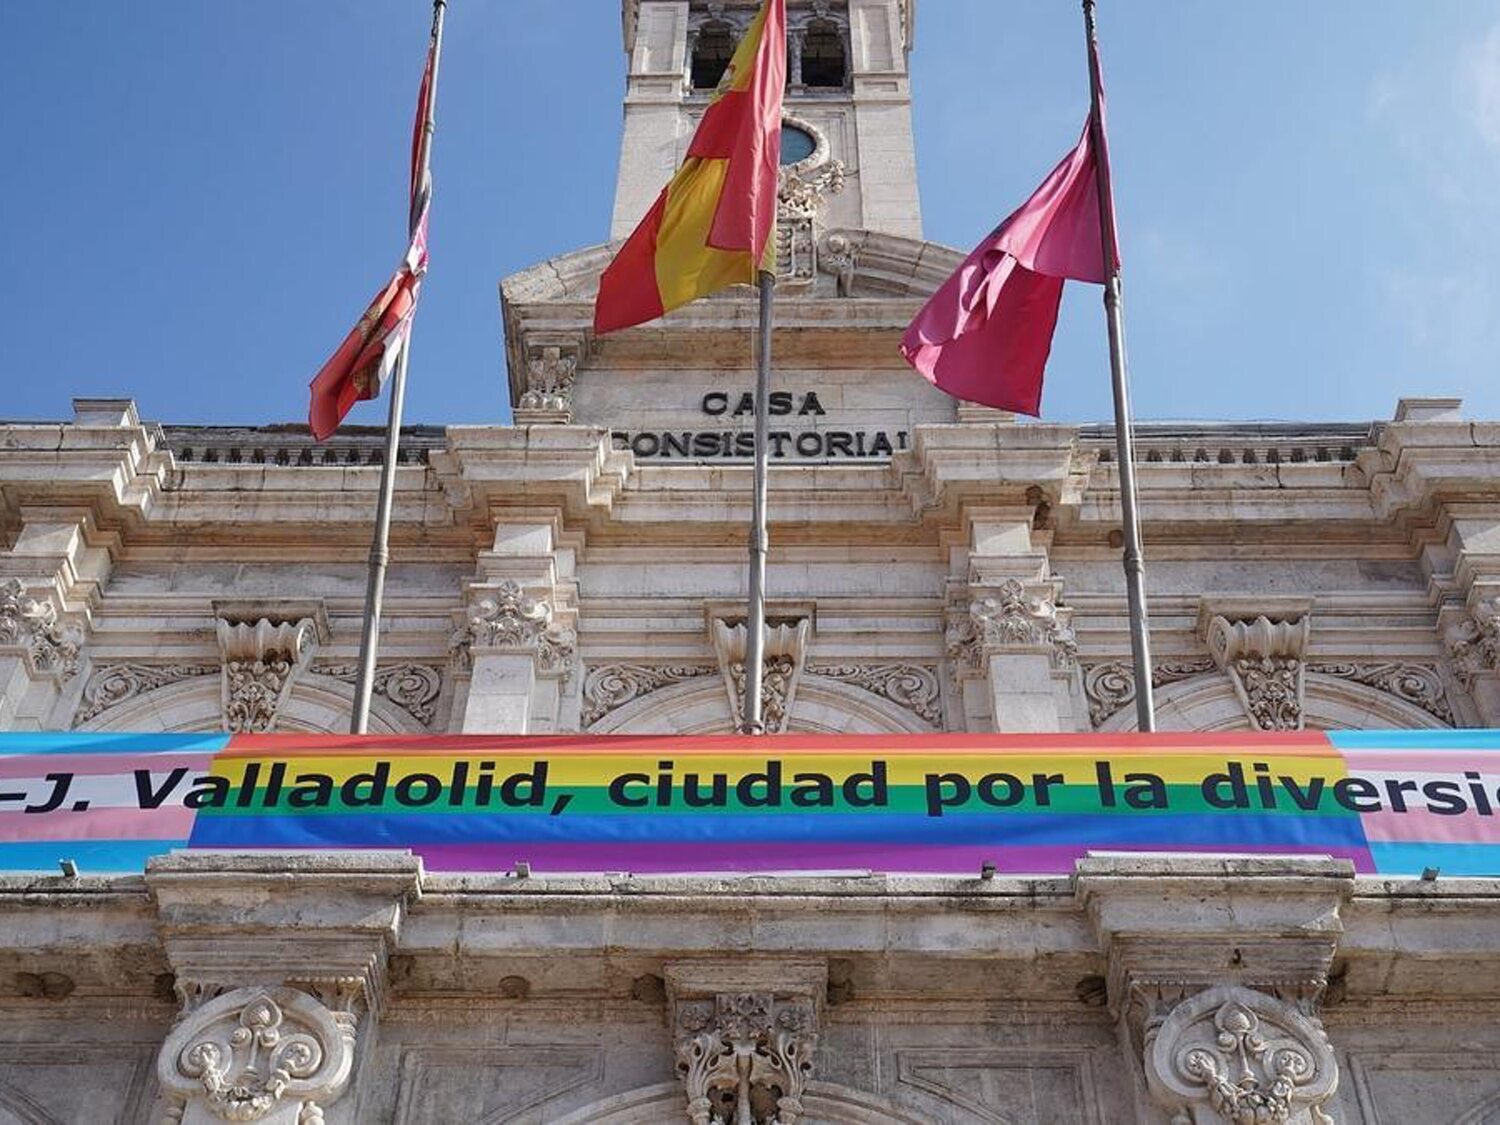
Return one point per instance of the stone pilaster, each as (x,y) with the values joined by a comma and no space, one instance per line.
(280,962)
(513,652)
(40,653)
(1216,972)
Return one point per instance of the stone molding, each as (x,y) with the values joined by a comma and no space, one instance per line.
(261,661)
(1473,640)
(745,1035)
(785,657)
(1018,617)
(254,1054)
(31,627)
(1265,659)
(505,619)
(912,687)
(612,686)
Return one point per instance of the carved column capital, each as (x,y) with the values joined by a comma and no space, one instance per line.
(1264,655)
(32,627)
(745,1035)
(507,620)
(1015,616)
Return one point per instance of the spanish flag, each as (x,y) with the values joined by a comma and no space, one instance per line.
(712,226)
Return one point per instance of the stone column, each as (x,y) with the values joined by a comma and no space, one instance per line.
(1217,969)
(516,658)
(280,963)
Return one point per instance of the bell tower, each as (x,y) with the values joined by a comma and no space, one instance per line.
(847,144)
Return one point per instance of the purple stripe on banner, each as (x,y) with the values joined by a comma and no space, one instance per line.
(705,856)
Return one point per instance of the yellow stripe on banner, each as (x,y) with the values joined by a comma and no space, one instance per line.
(686,266)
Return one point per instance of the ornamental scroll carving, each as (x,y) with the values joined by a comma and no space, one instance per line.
(1234,1055)
(609,688)
(50,646)
(1265,661)
(909,686)
(509,619)
(1017,616)
(412,687)
(261,661)
(113,684)
(745,1058)
(275,1055)
(1110,687)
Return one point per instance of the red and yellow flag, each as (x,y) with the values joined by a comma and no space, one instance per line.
(712,225)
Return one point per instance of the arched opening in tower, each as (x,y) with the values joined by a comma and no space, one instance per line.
(711,56)
(824,64)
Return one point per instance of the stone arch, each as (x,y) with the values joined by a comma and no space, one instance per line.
(1208,703)
(701,706)
(318,705)
(825,1103)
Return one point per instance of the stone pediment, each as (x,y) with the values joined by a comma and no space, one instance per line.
(868,287)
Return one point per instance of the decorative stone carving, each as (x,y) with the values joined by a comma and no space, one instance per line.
(260,663)
(801,195)
(1110,687)
(508,619)
(909,686)
(1015,617)
(412,687)
(612,686)
(785,655)
(1246,1056)
(113,684)
(1474,642)
(1418,684)
(275,1055)
(1265,661)
(839,257)
(745,1058)
(31,625)
(548,397)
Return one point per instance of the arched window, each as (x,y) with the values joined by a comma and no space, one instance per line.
(824,65)
(711,55)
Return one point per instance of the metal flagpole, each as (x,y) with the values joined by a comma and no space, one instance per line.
(380,554)
(755,628)
(1114,298)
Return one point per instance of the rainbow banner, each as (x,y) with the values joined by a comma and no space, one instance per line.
(1393,802)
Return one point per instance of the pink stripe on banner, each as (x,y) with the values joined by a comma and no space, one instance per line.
(165,823)
(39,765)
(766,856)
(1419,826)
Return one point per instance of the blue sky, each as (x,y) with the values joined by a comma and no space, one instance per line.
(201,195)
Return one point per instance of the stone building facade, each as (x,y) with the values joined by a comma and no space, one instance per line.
(934,567)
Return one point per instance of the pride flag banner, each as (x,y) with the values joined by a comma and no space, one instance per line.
(1393,802)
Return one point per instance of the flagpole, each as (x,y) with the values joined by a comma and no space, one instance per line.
(380,555)
(1114,299)
(755,628)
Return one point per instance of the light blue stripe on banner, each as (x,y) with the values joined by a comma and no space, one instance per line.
(94,857)
(1451,740)
(1450,859)
(53,742)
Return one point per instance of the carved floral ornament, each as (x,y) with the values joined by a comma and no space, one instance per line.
(1243,1056)
(1265,661)
(253,1054)
(261,661)
(50,646)
(506,618)
(550,372)
(1015,617)
(785,657)
(745,1058)
(1474,642)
